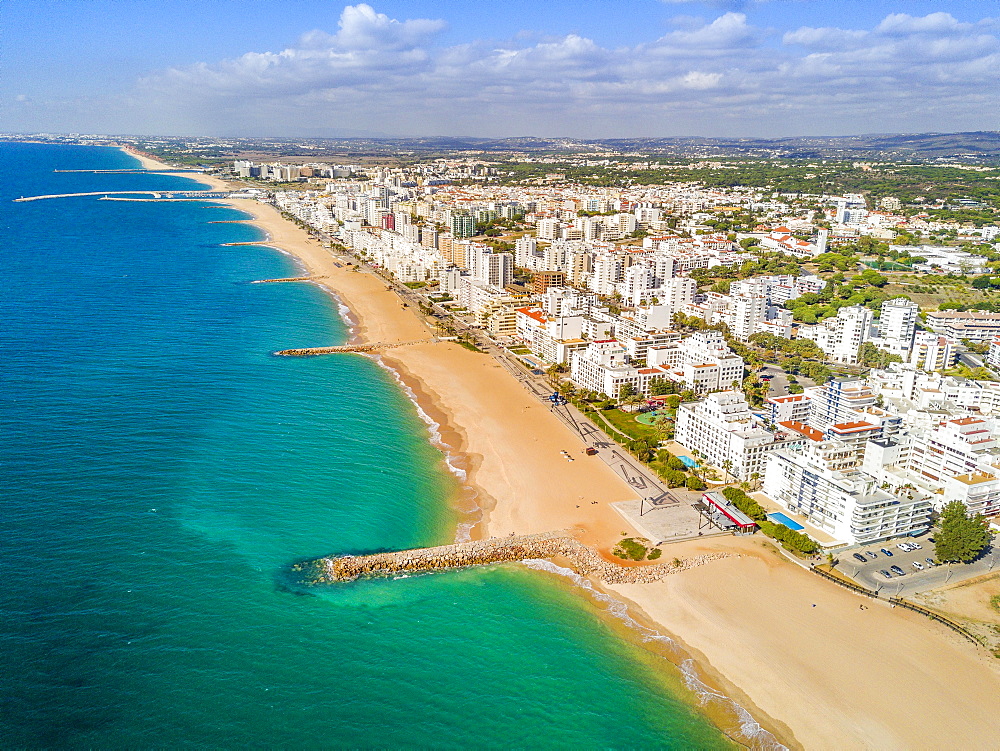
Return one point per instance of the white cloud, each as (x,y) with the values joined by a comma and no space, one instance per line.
(706,77)
(362,28)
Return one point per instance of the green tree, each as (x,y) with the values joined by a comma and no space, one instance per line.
(745,503)
(694,483)
(674,478)
(672,462)
(959,537)
(874,357)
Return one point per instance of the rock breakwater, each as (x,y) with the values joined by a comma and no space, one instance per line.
(583,559)
(362,348)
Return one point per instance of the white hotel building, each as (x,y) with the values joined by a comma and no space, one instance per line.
(821,481)
(703,362)
(722,429)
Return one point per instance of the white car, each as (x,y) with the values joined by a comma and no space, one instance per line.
(918,565)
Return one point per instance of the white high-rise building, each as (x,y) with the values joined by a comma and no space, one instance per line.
(498,269)
(678,292)
(637,285)
(897,325)
(932,352)
(722,429)
(607,272)
(840,337)
(525,252)
(747,316)
(548,229)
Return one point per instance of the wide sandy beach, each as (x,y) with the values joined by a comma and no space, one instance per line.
(800,654)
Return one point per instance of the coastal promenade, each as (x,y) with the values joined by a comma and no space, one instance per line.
(546,545)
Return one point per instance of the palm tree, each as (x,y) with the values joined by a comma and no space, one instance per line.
(664,427)
(633,400)
(726,466)
(754,479)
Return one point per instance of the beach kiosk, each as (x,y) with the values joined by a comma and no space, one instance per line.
(724,515)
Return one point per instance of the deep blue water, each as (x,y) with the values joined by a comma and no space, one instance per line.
(161,470)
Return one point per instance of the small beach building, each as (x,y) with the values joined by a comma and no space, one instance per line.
(725,515)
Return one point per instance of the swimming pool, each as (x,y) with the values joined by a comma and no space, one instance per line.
(688,461)
(780,518)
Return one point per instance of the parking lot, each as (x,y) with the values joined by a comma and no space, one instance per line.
(912,579)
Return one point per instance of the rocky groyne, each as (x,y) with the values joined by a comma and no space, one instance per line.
(362,348)
(284,279)
(583,559)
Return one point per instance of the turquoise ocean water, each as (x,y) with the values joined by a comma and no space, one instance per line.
(160,472)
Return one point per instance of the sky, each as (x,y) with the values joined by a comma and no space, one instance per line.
(580,69)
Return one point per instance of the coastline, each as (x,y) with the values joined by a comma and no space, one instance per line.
(799,654)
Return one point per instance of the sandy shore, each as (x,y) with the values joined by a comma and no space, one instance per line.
(829,676)
(154,165)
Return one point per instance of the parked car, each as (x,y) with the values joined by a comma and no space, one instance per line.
(591,451)
(886,574)
(871,554)
(897,570)
(905,547)
(887,552)
(931,562)
(916,546)
(860,558)
(918,565)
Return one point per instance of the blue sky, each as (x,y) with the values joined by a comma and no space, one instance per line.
(617,68)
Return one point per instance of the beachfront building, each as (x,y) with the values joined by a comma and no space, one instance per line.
(702,361)
(723,431)
(552,338)
(603,367)
(820,480)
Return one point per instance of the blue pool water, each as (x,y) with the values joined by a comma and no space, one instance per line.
(688,461)
(780,518)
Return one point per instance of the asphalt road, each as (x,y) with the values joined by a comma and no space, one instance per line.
(912,580)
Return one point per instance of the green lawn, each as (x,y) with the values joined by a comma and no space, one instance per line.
(626,423)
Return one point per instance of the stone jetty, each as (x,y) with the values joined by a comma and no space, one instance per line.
(558,545)
(362,348)
(291,279)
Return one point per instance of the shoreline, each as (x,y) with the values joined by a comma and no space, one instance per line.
(792,650)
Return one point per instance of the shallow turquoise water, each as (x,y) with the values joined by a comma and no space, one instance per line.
(161,470)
